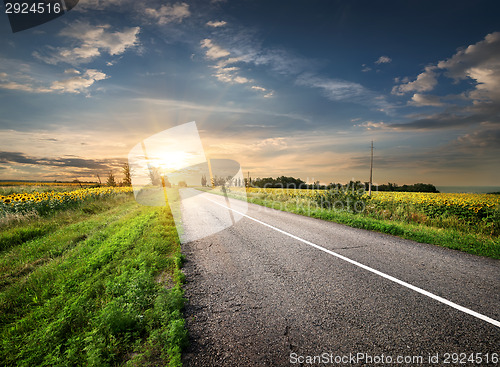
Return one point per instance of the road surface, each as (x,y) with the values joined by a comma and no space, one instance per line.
(279,289)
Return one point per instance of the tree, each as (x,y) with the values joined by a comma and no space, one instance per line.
(218,181)
(418,187)
(127,180)
(280,182)
(203,180)
(155,176)
(111,179)
(392,186)
(354,186)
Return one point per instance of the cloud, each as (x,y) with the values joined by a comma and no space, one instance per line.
(246,47)
(343,91)
(224,73)
(267,92)
(474,153)
(278,60)
(481,63)
(23,87)
(78,84)
(72,71)
(114,43)
(380,60)
(241,80)
(480,104)
(92,41)
(16,157)
(20,77)
(425,100)
(334,89)
(103,4)
(216,24)
(21,158)
(229,75)
(235,52)
(212,115)
(425,82)
(370,125)
(383,60)
(258,88)
(223,63)
(269,145)
(482,139)
(448,120)
(213,51)
(175,13)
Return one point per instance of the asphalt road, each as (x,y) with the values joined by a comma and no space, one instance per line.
(261,294)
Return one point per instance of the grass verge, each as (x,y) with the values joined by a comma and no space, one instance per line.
(464,239)
(98,286)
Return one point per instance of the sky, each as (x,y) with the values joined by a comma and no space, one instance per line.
(295,88)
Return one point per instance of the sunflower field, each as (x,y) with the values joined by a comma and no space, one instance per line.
(46,202)
(445,210)
(465,206)
(282,194)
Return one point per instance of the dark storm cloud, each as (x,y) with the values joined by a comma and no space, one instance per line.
(21,158)
(482,139)
(446,120)
(13,157)
(464,153)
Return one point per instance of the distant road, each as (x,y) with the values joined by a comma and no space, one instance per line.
(276,288)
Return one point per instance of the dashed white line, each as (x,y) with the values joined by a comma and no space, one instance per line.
(383,275)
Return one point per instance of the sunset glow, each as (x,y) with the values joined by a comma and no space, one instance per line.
(301,97)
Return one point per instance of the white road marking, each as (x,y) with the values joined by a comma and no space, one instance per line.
(383,275)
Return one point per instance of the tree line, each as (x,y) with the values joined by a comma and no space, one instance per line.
(284,182)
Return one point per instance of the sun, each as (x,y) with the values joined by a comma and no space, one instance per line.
(170,161)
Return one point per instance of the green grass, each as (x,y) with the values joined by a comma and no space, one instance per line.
(99,285)
(446,232)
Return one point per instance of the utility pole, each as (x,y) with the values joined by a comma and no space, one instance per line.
(371,172)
